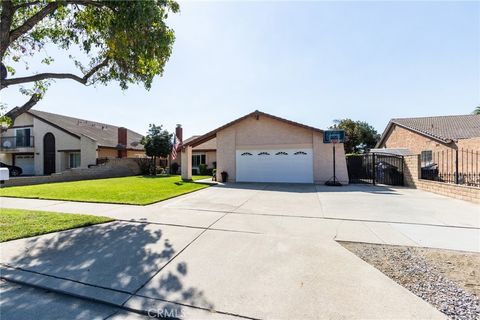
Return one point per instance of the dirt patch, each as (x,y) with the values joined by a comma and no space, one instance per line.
(449,280)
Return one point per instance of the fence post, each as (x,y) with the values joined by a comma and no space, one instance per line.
(456,166)
(373,169)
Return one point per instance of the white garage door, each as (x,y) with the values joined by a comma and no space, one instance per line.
(282,165)
(26,163)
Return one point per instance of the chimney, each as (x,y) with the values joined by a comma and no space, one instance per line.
(179,132)
(122,142)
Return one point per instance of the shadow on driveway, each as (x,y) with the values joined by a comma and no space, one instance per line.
(120,257)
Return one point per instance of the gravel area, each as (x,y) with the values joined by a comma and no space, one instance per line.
(449,280)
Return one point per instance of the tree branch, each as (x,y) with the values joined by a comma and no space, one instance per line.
(15,112)
(5,23)
(32,21)
(48,75)
(39,77)
(27,4)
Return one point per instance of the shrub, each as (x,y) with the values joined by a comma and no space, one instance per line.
(174,168)
(144,165)
(203,169)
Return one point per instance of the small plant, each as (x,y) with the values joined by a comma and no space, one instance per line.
(203,169)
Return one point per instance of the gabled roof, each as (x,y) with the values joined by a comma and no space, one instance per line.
(210,135)
(207,145)
(106,135)
(442,128)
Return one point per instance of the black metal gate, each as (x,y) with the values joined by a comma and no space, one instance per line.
(373,168)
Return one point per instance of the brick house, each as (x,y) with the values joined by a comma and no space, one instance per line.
(438,140)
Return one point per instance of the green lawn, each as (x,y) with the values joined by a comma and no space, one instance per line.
(129,190)
(16,224)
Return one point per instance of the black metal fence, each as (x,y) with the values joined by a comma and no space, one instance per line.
(451,166)
(373,168)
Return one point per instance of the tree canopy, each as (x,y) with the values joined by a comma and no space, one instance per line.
(360,135)
(477,110)
(157,143)
(124,41)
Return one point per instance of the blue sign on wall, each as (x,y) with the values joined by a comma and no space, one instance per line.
(329,135)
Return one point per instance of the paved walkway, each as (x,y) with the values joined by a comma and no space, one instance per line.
(241,251)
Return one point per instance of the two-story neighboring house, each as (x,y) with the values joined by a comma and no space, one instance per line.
(42,143)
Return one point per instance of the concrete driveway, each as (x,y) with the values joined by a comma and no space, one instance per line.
(240,251)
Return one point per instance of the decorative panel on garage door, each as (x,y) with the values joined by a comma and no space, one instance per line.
(279,165)
(26,163)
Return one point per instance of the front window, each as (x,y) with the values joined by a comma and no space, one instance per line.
(22,137)
(426,158)
(74,160)
(198,159)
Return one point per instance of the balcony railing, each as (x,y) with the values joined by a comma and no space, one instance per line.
(9,143)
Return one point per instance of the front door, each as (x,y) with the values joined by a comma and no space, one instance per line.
(48,153)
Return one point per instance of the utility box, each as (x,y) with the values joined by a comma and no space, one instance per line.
(4,174)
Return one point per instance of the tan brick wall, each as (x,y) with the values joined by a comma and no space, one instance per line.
(411,169)
(399,137)
(412,179)
(466,193)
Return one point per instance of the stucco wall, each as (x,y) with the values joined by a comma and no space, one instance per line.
(88,152)
(6,158)
(24,119)
(268,133)
(226,153)
(63,141)
(323,160)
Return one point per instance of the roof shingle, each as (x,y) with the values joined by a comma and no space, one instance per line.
(106,135)
(443,128)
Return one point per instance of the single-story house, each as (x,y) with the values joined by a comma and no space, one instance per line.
(261,147)
(42,143)
(426,134)
(438,140)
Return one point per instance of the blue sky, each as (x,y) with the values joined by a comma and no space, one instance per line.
(310,62)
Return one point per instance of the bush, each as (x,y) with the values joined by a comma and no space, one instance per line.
(174,168)
(203,169)
(144,165)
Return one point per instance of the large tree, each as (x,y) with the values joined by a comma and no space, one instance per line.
(477,110)
(157,143)
(360,135)
(124,41)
